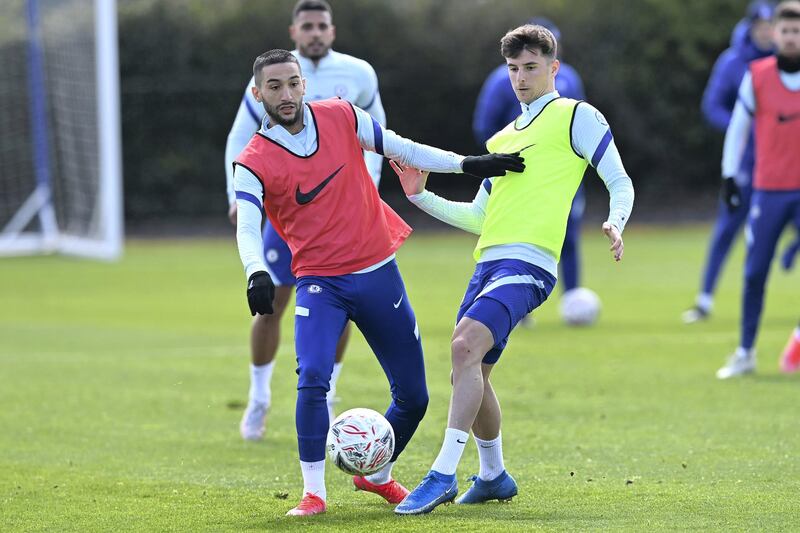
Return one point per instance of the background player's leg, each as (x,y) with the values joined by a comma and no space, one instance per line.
(793,248)
(264,341)
(767,220)
(570,251)
(265,334)
(320,317)
(768,216)
(725,230)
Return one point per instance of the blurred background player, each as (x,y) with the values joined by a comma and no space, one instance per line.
(328,74)
(751,39)
(769,99)
(790,359)
(497,106)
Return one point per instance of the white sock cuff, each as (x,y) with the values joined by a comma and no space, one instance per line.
(382,476)
(705,301)
(498,439)
(456,434)
(452,448)
(262,370)
(744,353)
(260,378)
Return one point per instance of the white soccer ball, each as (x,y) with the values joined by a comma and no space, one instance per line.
(360,441)
(580,307)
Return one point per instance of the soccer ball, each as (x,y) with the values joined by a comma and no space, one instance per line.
(580,307)
(360,441)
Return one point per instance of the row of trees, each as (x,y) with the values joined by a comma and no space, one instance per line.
(184,65)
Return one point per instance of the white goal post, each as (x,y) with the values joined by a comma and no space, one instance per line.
(60,146)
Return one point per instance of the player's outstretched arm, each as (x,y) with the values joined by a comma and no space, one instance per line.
(491,165)
(462,215)
(376,138)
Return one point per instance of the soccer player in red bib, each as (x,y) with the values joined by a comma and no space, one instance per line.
(769,97)
(304,169)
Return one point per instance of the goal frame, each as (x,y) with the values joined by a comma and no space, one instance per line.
(107,244)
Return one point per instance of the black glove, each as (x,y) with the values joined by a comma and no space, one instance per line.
(486,166)
(260,293)
(731,194)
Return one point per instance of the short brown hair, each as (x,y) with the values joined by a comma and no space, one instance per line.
(271,58)
(789,9)
(531,37)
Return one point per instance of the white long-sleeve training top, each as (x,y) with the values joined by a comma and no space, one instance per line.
(587,135)
(739,128)
(336,74)
(303,143)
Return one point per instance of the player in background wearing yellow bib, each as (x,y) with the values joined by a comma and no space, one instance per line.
(521,219)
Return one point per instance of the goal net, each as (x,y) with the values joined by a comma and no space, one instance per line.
(60,156)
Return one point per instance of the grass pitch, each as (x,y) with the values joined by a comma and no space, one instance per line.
(121,388)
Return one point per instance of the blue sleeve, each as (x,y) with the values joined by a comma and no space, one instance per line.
(720,93)
(493,106)
(569,83)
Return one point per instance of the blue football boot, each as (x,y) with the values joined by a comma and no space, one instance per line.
(501,488)
(435,489)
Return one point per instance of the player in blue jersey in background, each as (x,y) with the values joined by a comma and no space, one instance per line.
(498,105)
(751,39)
(328,74)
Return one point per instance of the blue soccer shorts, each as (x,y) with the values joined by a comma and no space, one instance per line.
(500,294)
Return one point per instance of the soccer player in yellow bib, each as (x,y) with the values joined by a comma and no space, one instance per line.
(521,219)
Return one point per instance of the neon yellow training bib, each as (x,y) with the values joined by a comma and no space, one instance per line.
(533,206)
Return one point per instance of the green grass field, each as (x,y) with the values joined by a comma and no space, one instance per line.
(121,388)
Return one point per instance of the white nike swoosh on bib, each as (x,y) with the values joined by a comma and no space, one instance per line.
(398,302)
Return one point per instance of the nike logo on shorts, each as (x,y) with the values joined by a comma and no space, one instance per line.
(305,197)
(461,441)
(398,302)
